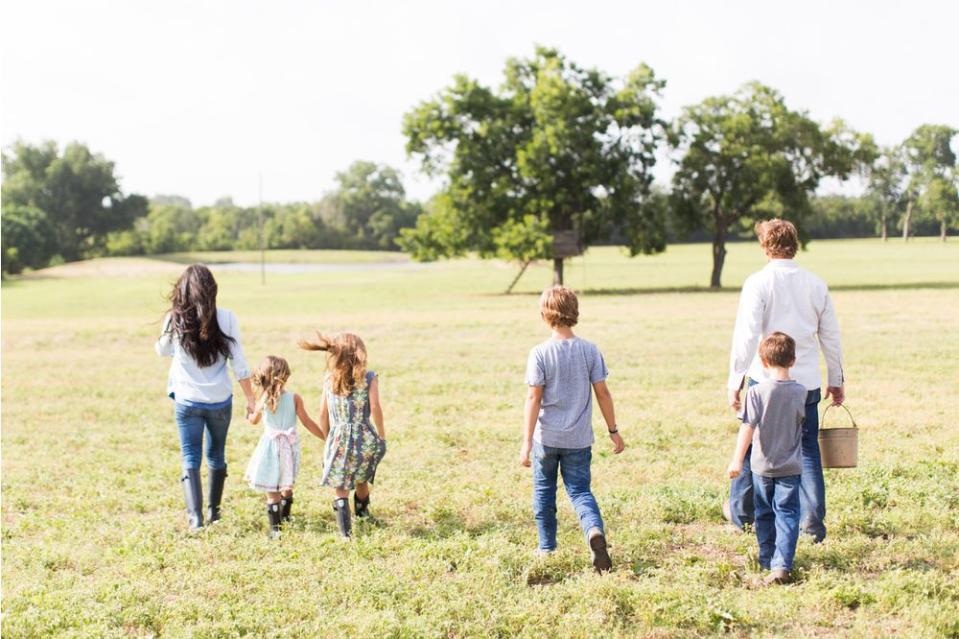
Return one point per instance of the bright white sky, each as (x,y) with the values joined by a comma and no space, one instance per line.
(197,98)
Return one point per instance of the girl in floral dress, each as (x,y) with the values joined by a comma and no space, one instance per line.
(276,460)
(354,447)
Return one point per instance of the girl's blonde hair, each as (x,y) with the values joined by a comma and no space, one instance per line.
(346,359)
(270,378)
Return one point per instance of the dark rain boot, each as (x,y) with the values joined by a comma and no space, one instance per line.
(274,514)
(193,497)
(361,506)
(215,493)
(286,504)
(341,506)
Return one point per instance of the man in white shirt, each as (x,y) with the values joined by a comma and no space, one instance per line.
(787,298)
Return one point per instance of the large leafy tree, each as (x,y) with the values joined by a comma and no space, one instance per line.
(930,161)
(77,190)
(747,156)
(556,148)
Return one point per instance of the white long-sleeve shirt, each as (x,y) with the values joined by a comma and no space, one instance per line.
(203,384)
(785,297)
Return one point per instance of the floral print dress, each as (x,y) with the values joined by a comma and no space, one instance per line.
(353,447)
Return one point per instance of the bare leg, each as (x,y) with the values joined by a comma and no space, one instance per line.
(362,490)
(342,493)
(273,498)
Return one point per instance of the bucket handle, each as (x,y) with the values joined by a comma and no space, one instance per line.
(848,412)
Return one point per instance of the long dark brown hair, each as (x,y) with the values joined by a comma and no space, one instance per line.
(193,316)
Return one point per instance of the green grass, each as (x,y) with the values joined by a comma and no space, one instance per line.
(95,543)
(286,256)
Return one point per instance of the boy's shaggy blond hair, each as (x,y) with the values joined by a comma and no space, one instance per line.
(559,306)
(778,238)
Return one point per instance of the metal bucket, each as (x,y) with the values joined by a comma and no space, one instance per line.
(839,447)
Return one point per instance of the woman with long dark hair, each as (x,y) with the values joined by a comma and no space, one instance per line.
(201,338)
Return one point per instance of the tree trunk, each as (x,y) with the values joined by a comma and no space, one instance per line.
(906,220)
(557,271)
(719,255)
(882,227)
(942,229)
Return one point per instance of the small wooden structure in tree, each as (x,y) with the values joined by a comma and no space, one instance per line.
(565,244)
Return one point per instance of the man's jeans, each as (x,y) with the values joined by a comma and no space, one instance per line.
(812,491)
(191,421)
(777,519)
(573,463)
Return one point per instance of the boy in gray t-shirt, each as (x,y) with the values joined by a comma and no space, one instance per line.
(561,375)
(773,414)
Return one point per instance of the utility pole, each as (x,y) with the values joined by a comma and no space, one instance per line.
(259,222)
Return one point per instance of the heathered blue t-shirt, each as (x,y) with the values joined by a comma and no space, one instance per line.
(567,369)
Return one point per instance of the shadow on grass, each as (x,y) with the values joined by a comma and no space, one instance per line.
(654,290)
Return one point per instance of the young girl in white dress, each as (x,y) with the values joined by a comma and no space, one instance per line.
(276,460)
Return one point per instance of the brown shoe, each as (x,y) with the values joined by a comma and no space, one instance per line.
(597,546)
(777,577)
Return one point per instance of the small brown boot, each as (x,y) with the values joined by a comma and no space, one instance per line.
(777,577)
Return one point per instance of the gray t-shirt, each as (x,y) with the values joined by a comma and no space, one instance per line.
(777,409)
(567,369)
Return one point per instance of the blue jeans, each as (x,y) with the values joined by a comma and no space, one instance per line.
(573,463)
(812,492)
(191,421)
(777,519)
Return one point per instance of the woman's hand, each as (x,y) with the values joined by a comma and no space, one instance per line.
(618,444)
(524,454)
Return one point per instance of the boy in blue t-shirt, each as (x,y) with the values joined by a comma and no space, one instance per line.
(773,415)
(558,432)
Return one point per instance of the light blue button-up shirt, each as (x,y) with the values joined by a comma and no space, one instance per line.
(189,382)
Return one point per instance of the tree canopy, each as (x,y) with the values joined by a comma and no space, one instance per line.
(74,195)
(930,163)
(748,156)
(557,148)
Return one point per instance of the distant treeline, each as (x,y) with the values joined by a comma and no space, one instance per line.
(365,211)
(555,158)
(68,206)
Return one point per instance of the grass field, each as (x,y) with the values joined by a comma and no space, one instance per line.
(94,537)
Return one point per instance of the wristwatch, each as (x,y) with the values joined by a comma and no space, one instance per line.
(614,431)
